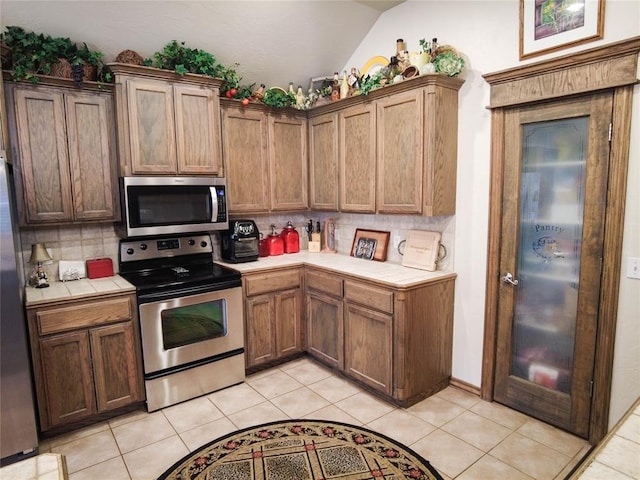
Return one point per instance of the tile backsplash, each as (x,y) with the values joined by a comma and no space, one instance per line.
(84,242)
(70,242)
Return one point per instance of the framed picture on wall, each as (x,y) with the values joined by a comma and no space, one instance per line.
(550,25)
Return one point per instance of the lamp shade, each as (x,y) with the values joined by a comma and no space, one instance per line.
(39,253)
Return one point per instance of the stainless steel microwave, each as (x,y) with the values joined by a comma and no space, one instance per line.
(171,205)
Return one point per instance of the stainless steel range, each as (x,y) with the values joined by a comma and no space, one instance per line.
(191,317)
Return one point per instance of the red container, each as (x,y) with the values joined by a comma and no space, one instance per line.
(263,248)
(99,267)
(291,239)
(275,245)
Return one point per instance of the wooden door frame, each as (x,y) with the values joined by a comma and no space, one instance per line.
(611,67)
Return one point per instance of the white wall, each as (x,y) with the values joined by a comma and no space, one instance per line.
(486,33)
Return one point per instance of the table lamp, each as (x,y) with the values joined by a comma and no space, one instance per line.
(39,255)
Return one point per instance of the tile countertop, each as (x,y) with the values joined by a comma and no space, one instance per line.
(76,289)
(392,274)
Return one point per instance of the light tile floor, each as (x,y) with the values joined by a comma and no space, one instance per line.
(462,436)
(617,457)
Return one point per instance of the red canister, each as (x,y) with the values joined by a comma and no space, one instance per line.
(291,239)
(263,247)
(275,243)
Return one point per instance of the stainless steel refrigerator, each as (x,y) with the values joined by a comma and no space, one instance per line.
(18,434)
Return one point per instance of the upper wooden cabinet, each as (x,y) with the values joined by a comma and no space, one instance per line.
(167,124)
(64,148)
(323,162)
(288,161)
(244,147)
(397,148)
(358,159)
(265,156)
(400,147)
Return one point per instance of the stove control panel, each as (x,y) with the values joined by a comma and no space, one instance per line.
(149,248)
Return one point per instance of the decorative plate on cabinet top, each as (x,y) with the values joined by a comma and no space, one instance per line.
(373,65)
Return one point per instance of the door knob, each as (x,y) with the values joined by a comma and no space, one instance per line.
(508,278)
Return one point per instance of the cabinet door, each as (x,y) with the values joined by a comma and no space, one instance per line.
(288,322)
(117,378)
(440,151)
(288,162)
(358,159)
(43,154)
(197,130)
(553,213)
(260,329)
(368,340)
(68,379)
(325,337)
(400,152)
(91,151)
(323,162)
(244,147)
(151,127)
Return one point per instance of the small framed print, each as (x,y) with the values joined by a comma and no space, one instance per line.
(370,245)
(550,25)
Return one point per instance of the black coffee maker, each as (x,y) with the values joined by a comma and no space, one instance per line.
(240,243)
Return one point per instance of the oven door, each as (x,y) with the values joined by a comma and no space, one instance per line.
(184,331)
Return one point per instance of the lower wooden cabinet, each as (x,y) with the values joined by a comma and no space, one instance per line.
(273,316)
(395,341)
(324,328)
(86,359)
(368,342)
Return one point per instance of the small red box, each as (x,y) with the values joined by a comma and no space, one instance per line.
(99,267)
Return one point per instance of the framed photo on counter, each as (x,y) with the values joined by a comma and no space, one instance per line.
(370,245)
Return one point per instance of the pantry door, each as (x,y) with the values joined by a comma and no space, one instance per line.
(553,217)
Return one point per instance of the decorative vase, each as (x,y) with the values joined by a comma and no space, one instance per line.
(419,59)
(410,71)
(427,68)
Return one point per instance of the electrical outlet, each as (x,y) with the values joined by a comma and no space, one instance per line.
(633,267)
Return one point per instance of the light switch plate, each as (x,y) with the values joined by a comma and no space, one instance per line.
(633,267)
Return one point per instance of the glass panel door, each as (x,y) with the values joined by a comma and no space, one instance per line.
(552,195)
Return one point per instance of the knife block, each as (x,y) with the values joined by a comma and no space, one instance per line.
(314,243)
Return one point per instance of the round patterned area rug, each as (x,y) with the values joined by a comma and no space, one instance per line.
(302,450)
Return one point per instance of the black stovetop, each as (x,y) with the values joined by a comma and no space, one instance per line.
(180,276)
(153,267)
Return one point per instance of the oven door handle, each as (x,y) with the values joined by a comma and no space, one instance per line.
(213,192)
(149,297)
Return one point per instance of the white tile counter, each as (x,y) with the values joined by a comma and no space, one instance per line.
(76,289)
(392,274)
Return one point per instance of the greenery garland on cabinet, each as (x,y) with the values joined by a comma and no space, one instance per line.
(31,54)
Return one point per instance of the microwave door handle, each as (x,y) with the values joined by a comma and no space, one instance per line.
(214,203)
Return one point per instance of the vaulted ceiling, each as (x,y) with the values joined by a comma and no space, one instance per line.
(274,42)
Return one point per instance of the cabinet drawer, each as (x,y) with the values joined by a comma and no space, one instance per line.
(325,282)
(368,295)
(88,314)
(271,282)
